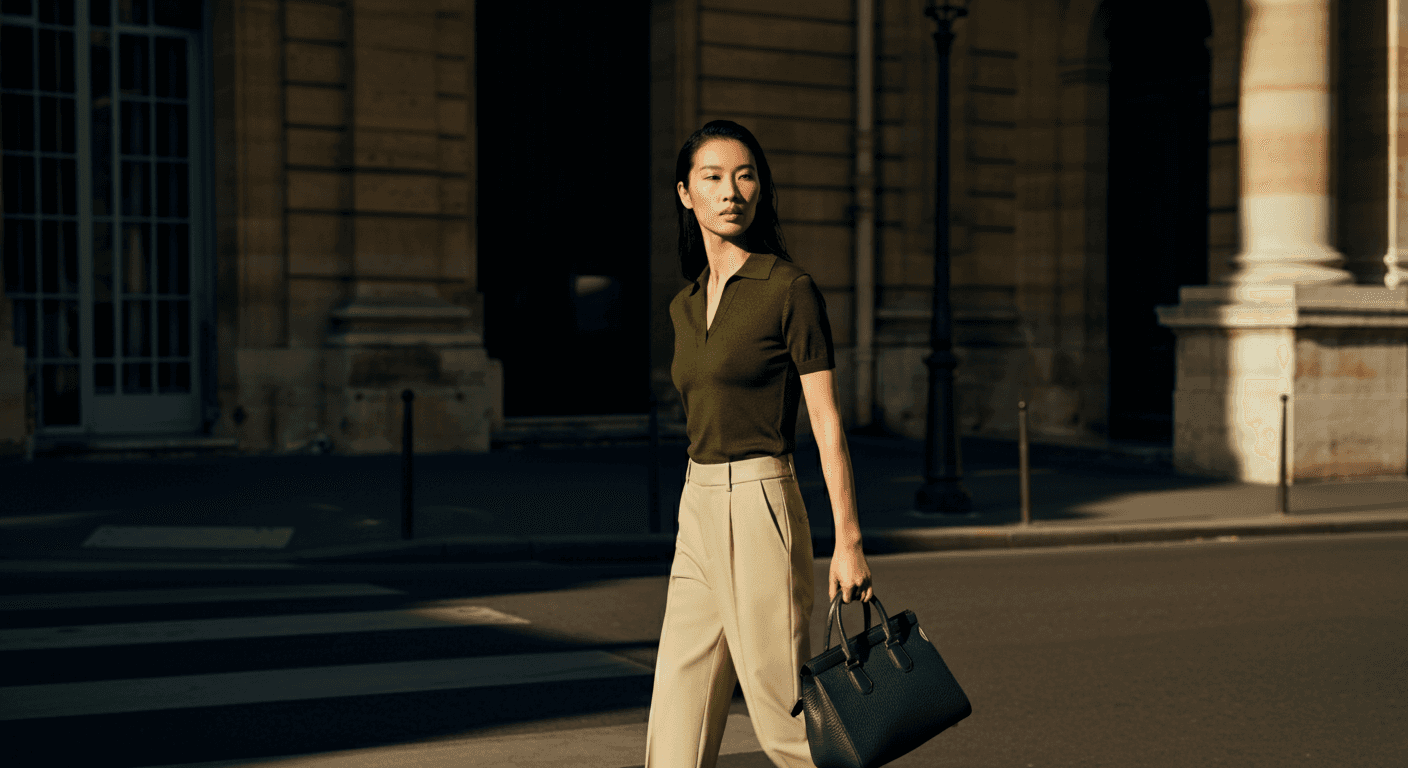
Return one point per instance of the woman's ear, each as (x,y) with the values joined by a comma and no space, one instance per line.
(684,195)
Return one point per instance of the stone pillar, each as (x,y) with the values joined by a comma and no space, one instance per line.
(1286,321)
(414,320)
(1285,146)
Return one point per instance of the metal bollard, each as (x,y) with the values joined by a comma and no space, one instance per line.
(1282,492)
(407,507)
(1024,471)
(653,474)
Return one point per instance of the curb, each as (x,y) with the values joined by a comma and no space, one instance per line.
(660,547)
(927,540)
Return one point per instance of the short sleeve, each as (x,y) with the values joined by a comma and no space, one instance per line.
(806,327)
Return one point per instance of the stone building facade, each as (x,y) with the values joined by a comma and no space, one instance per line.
(1159,222)
(328,247)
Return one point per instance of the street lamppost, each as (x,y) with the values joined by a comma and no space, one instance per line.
(943,489)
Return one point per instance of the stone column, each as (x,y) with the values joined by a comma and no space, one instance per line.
(414,319)
(1285,146)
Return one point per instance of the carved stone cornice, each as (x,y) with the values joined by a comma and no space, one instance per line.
(1287,306)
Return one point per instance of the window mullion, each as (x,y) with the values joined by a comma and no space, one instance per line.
(83,112)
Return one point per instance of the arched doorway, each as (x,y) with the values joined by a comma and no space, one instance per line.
(1157,200)
(562,101)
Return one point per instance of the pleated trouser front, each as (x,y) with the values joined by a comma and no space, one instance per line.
(738,610)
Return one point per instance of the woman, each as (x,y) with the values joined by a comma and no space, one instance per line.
(751,337)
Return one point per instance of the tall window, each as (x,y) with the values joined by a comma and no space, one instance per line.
(99,102)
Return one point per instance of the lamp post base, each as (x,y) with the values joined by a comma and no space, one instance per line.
(943,497)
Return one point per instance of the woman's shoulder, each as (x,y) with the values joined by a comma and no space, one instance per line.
(681,296)
(786,272)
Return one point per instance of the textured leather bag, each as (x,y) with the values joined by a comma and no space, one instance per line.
(878,695)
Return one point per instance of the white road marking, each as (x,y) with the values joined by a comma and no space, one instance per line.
(189,595)
(188,537)
(102,697)
(609,746)
(426,616)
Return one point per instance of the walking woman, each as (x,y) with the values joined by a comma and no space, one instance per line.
(751,338)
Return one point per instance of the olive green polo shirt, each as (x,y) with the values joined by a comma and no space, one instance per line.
(740,379)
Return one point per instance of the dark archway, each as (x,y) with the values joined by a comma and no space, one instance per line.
(562,100)
(1158,199)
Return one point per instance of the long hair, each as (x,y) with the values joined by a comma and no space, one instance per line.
(764,234)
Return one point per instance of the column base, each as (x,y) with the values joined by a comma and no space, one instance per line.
(1396,273)
(1310,265)
(1340,352)
(384,344)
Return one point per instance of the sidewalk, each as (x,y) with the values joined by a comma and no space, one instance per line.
(590,503)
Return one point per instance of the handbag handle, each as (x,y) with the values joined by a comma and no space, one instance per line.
(845,641)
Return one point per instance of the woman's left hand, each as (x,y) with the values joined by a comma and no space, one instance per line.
(850,573)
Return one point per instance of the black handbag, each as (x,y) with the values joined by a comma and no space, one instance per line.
(877,695)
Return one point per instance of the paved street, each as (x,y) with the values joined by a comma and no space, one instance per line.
(1269,652)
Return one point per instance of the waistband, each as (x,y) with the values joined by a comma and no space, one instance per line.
(730,472)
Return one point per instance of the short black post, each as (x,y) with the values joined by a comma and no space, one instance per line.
(407,503)
(653,473)
(1282,492)
(1024,472)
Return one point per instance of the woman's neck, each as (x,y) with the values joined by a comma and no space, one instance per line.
(724,260)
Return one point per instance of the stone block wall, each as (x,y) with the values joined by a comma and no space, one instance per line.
(1351,402)
(349,186)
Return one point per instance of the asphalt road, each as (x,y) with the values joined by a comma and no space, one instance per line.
(1284,652)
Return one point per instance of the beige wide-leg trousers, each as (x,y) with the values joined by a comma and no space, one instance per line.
(738,609)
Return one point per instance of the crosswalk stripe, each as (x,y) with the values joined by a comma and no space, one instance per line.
(608,746)
(188,595)
(102,697)
(426,616)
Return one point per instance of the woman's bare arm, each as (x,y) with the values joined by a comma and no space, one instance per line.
(848,566)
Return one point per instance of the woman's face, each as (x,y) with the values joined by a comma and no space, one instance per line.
(723,188)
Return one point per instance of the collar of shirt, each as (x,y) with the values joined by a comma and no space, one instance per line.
(757,267)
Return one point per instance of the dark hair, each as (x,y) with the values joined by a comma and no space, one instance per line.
(764,234)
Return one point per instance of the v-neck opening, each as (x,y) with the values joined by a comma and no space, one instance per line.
(723,294)
(705,325)
(709,324)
